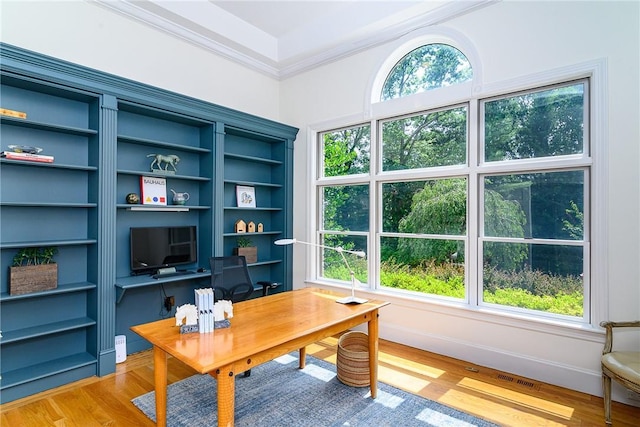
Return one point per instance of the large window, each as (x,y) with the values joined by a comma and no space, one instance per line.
(490,212)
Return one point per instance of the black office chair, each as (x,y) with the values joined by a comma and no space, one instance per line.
(230,279)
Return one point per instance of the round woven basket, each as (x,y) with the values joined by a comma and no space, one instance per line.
(353,359)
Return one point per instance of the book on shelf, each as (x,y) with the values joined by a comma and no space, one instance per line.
(13,113)
(153,190)
(27,157)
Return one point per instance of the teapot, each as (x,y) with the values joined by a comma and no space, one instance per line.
(179,198)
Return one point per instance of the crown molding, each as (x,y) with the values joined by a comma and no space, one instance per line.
(290,67)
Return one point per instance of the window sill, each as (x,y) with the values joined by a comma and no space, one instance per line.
(453,308)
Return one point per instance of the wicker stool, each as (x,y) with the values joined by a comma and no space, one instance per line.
(353,359)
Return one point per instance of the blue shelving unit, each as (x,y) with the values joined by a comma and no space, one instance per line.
(100,128)
(49,205)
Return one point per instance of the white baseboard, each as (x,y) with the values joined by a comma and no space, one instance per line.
(571,377)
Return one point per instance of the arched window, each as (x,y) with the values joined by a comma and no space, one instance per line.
(465,193)
(427,67)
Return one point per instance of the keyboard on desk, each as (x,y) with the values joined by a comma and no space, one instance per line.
(172,274)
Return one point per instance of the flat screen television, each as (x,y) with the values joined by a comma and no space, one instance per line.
(153,248)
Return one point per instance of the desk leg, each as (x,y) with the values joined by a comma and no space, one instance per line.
(373,354)
(226,396)
(303,357)
(160,378)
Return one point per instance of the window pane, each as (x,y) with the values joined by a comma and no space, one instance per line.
(345,208)
(425,68)
(346,152)
(537,124)
(546,205)
(544,278)
(426,140)
(334,266)
(425,207)
(429,266)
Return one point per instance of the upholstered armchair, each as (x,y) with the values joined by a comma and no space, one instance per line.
(622,366)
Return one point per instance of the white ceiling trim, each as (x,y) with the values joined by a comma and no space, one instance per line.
(380,36)
(207,15)
(232,38)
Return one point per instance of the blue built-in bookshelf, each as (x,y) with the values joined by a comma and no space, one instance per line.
(100,129)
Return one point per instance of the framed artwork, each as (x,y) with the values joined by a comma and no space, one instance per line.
(246,196)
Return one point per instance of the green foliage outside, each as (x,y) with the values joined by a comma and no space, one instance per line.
(346,151)
(335,268)
(425,68)
(526,289)
(444,279)
(534,290)
(545,205)
(574,224)
(440,208)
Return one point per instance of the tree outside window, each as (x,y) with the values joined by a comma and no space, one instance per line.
(532,181)
(428,67)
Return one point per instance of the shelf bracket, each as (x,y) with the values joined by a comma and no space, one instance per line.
(119,294)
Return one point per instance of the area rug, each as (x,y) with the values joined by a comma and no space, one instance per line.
(279,394)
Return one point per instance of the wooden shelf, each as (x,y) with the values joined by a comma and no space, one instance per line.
(47,165)
(61,289)
(38,243)
(46,369)
(163,144)
(51,127)
(252,159)
(161,175)
(257,233)
(133,282)
(49,205)
(46,329)
(258,208)
(143,208)
(252,183)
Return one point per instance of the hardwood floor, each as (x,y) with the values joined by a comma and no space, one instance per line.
(496,396)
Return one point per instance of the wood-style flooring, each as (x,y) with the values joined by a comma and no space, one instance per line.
(500,397)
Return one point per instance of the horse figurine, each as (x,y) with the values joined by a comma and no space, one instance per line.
(223,309)
(187,311)
(169,160)
(222,312)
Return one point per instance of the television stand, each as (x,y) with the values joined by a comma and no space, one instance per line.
(139,281)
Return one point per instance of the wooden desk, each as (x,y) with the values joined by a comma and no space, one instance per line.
(261,330)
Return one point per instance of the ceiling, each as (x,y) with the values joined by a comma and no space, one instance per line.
(286,37)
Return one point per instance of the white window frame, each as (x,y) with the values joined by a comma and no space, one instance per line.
(595,158)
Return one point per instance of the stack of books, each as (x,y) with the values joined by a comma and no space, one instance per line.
(204,303)
(26,157)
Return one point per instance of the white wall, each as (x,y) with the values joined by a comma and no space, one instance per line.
(88,34)
(513,40)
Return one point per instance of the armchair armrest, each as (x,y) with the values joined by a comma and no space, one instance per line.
(609,325)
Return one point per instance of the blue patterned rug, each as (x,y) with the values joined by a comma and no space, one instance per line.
(279,394)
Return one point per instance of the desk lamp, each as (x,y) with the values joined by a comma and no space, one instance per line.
(352,299)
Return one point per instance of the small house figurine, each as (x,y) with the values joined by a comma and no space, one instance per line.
(241,226)
(251,227)
(260,227)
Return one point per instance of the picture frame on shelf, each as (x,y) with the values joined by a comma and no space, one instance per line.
(153,190)
(245,196)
